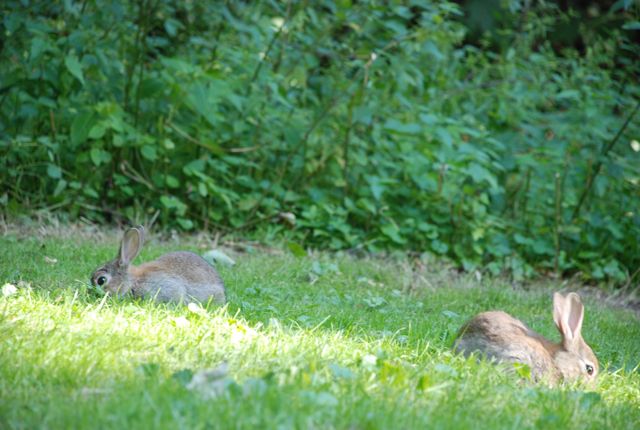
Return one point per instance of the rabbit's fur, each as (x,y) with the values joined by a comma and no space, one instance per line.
(173,277)
(499,336)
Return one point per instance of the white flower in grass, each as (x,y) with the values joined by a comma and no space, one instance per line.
(181,322)
(369,361)
(196,308)
(277,23)
(9,290)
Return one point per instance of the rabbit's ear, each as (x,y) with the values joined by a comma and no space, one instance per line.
(131,245)
(568,313)
(576,314)
(558,310)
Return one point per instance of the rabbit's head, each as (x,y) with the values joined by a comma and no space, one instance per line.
(113,276)
(574,359)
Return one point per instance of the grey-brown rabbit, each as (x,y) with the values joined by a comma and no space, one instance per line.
(173,277)
(497,335)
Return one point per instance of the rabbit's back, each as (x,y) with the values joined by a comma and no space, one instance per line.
(178,276)
(499,336)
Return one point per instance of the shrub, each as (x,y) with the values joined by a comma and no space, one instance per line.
(377,126)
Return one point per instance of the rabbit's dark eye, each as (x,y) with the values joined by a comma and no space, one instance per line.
(101,280)
(589,369)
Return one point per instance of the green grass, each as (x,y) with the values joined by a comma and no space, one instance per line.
(315,342)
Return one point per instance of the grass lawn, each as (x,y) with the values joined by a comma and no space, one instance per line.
(314,342)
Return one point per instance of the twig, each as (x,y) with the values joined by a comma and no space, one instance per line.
(630,278)
(556,233)
(52,120)
(153,219)
(268,51)
(598,165)
(99,209)
(243,150)
(186,135)
(347,142)
(135,175)
(132,66)
(305,138)
(255,221)
(195,141)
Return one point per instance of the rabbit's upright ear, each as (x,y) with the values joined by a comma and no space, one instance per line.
(558,310)
(131,245)
(576,314)
(568,313)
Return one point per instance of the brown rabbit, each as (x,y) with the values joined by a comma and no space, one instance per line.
(499,336)
(174,277)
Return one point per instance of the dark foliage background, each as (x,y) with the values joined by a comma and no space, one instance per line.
(373,125)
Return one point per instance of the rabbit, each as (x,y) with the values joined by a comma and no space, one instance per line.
(501,337)
(173,277)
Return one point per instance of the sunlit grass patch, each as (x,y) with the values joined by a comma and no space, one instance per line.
(315,342)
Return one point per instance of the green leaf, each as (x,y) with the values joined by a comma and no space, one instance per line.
(377,188)
(444,136)
(431,48)
(428,119)
(216,257)
(168,202)
(150,88)
(186,224)
(62,185)
(573,95)
(118,140)
(171,26)
(54,171)
(633,25)
(99,156)
(424,382)
(149,152)
(374,301)
(203,99)
(522,370)
(91,192)
(95,156)
(183,376)
(81,126)
(391,231)
(172,181)
(479,174)
(439,247)
(402,128)
(296,249)
(38,46)
(172,202)
(194,167)
(363,114)
(97,131)
(202,189)
(74,67)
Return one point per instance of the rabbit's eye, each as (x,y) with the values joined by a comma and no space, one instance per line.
(101,280)
(589,369)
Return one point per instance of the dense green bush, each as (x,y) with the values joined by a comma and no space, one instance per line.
(374,124)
